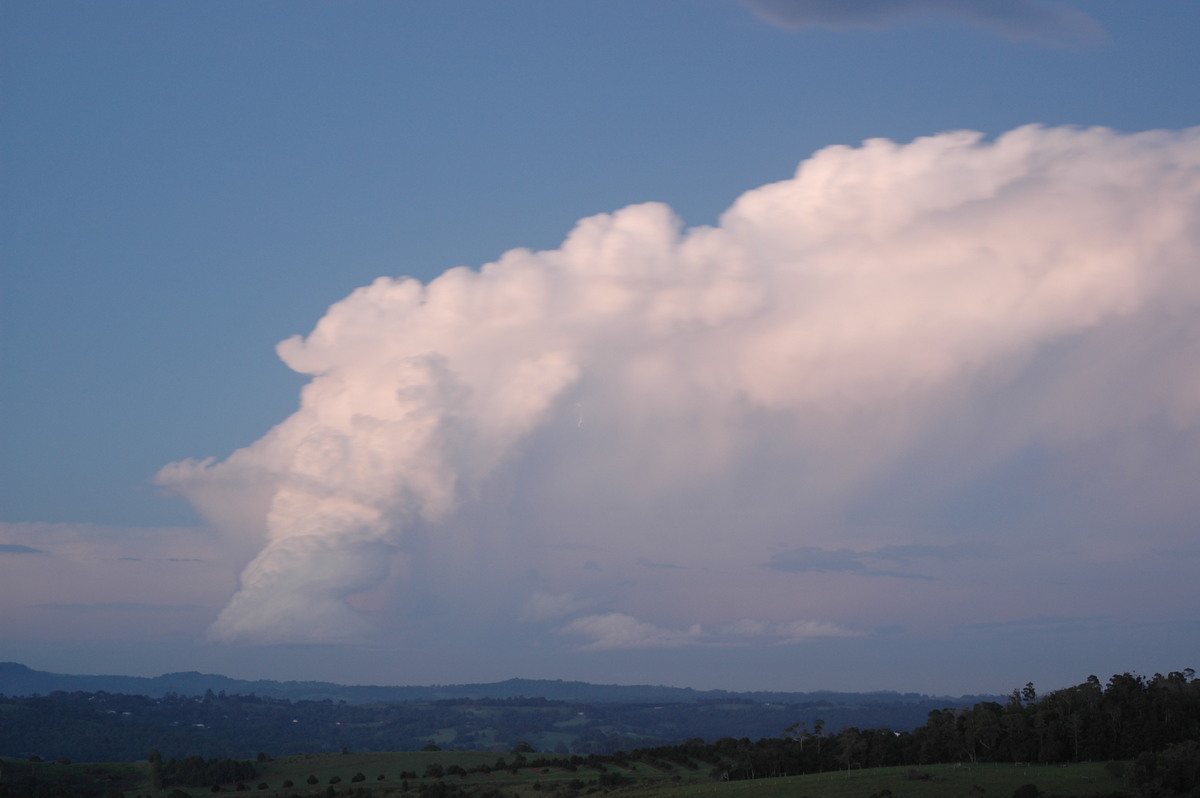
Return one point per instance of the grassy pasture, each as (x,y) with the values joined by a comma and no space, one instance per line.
(996,781)
(946,781)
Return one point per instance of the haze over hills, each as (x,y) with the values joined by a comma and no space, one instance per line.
(17,679)
(117,718)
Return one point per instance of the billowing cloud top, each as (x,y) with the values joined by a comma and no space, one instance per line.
(893,321)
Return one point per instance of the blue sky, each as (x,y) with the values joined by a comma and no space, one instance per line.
(188,184)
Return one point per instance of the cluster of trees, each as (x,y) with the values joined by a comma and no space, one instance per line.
(1155,722)
(195,770)
(1129,715)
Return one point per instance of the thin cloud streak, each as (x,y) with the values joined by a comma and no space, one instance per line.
(1015,19)
(17,548)
(818,560)
(121,606)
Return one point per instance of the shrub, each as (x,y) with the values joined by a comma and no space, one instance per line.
(613,780)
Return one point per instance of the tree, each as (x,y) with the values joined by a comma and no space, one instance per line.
(852,745)
(156,768)
(796,732)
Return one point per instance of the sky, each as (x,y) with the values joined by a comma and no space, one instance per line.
(742,344)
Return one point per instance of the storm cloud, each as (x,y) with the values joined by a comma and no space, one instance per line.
(902,352)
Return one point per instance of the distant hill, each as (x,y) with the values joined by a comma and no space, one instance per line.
(119,718)
(20,680)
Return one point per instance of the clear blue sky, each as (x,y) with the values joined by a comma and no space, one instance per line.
(185,185)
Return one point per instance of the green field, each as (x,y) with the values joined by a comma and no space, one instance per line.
(635,781)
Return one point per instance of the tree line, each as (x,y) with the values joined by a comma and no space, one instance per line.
(1154,722)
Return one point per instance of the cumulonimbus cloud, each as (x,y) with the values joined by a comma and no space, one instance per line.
(889,309)
(1015,19)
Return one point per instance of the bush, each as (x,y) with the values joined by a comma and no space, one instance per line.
(312,779)
(613,780)
(1027,791)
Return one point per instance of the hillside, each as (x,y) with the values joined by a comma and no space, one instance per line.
(19,680)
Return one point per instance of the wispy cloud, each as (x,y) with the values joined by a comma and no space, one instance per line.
(1015,19)
(648,564)
(121,606)
(814,559)
(543,606)
(17,548)
(1043,623)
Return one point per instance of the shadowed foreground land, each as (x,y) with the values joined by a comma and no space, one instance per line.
(1134,737)
(334,774)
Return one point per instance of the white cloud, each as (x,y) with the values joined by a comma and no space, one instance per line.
(884,330)
(616,630)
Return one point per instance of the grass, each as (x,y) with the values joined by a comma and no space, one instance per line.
(995,781)
(945,781)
